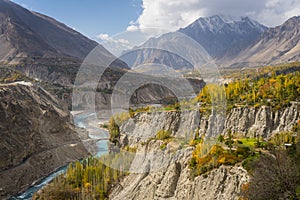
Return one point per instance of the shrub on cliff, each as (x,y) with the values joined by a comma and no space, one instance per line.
(114,131)
(163,134)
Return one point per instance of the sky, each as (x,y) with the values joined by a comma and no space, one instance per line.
(90,17)
(101,19)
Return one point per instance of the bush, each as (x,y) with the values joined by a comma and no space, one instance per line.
(203,169)
(104,126)
(114,131)
(193,162)
(227,159)
(195,142)
(163,134)
(163,146)
(243,151)
(274,176)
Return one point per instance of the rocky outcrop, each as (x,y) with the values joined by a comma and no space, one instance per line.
(166,175)
(37,136)
(145,125)
(249,121)
(160,170)
(263,121)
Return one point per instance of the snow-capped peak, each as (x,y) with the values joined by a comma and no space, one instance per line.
(217,23)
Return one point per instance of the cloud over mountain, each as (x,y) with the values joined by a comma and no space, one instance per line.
(171,15)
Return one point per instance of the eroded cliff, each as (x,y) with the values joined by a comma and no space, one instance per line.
(157,174)
(161,170)
(249,121)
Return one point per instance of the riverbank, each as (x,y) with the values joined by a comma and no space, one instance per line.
(87,121)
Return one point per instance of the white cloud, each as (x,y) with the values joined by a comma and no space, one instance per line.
(104,37)
(123,41)
(174,14)
(133,26)
(278,11)
(113,44)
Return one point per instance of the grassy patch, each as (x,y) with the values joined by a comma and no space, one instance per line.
(249,142)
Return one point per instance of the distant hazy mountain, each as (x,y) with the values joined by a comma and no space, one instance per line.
(276,45)
(153,52)
(220,36)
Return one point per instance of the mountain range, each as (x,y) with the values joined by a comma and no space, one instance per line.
(229,42)
(29,37)
(222,36)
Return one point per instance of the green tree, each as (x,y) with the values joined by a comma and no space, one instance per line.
(114,131)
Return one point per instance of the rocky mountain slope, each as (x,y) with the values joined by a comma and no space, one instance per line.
(37,136)
(43,48)
(164,174)
(222,36)
(151,53)
(276,45)
(27,34)
(151,91)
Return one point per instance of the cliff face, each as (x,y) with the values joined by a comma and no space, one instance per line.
(163,173)
(37,136)
(145,125)
(261,121)
(166,175)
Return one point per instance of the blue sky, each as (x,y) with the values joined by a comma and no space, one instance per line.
(105,18)
(90,17)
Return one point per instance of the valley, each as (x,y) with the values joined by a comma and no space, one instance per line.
(171,153)
(210,110)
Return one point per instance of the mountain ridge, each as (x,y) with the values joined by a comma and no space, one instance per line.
(31,34)
(229,42)
(276,45)
(220,36)
(43,48)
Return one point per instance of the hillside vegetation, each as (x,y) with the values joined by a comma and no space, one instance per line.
(89,179)
(276,91)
